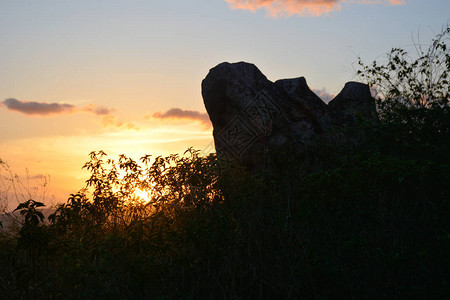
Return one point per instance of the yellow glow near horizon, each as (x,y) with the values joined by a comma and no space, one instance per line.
(61,157)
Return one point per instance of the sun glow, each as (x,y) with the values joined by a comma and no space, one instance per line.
(143,195)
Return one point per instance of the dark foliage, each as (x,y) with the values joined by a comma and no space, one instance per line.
(367,221)
(413,81)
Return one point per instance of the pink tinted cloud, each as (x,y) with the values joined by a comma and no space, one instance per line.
(301,7)
(178,113)
(324,95)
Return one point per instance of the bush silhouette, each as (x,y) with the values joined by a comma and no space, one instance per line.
(363,221)
(403,80)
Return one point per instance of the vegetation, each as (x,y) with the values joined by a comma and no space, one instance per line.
(366,221)
(420,81)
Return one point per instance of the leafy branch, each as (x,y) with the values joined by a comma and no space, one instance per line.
(422,81)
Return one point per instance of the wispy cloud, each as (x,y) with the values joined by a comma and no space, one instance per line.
(112,122)
(38,177)
(277,8)
(98,110)
(34,108)
(178,113)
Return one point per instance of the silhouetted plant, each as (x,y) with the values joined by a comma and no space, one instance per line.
(364,225)
(72,215)
(412,82)
(29,211)
(334,222)
(15,188)
(32,236)
(413,100)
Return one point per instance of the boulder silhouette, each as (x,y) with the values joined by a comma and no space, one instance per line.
(252,115)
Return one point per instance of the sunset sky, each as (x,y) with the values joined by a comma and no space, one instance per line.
(124,76)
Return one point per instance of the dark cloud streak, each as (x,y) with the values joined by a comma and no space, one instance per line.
(38,108)
(178,113)
(34,108)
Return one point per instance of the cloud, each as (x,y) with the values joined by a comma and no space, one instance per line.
(38,108)
(375,93)
(98,110)
(34,108)
(38,177)
(277,8)
(178,113)
(112,121)
(324,95)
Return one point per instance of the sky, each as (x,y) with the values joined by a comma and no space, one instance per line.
(124,76)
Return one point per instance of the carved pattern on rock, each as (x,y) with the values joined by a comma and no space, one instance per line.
(251,114)
(255,124)
(237,136)
(261,112)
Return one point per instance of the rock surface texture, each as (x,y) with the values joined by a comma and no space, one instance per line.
(251,115)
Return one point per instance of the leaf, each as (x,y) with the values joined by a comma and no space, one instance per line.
(40,215)
(21,205)
(39,204)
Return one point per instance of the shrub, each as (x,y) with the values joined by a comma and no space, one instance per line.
(412,82)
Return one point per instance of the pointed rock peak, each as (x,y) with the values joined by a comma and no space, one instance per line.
(355,100)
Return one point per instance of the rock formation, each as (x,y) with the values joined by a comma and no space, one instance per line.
(251,114)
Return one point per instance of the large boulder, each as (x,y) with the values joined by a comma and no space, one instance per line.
(354,101)
(251,115)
